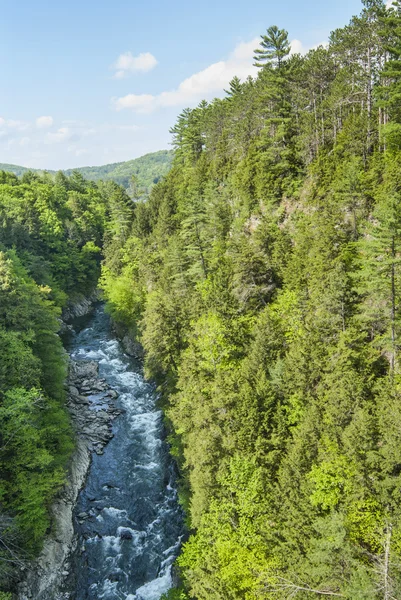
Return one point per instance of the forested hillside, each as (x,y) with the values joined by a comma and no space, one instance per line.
(263,277)
(51,233)
(146,170)
(138,176)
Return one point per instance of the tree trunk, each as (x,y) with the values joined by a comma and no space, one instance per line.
(393,332)
(386,566)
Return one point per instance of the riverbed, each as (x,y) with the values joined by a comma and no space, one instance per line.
(127,519)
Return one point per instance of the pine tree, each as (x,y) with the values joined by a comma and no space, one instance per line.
(275,48)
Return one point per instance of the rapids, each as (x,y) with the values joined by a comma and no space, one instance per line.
(127,519)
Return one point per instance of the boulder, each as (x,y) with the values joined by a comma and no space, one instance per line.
(83,369)
(125,534)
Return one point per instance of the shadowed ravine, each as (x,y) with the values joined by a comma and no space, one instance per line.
(127,517)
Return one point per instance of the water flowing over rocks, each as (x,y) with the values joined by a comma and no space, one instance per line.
(93,429)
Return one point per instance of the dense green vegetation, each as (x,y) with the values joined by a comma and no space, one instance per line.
(16,169)
(146,170)
(137,176)
(263,277)
(51,231)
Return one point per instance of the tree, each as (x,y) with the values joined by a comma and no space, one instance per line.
(381,268)
(389,92)
(275,48)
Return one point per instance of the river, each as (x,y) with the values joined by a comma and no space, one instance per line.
(127,519)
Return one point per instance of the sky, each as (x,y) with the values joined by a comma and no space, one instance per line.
(88,82)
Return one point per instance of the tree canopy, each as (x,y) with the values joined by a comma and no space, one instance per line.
(262,277)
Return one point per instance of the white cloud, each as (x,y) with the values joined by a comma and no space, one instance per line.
(127,64)
(205,84)
(297,47)
(79,151)
(25,141)
(44,122)
(10,129)
(15,125)
(89,131)
(128,127)
(245,50)
(389,3)
(61,135)
(138,102)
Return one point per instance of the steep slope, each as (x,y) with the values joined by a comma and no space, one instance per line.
(263,277)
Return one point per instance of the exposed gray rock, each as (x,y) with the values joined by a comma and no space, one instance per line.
(132,347)
(83,371)
(80,308)
(73,391)
(127,338)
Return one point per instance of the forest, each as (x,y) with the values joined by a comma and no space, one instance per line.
(51,233)
(262,276)
(138,176)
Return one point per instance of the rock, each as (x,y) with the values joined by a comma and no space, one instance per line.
(83,369)
(102,414)
(82,400)
(84,306)
(131,347)
(73,391)
(100,386)
(125,534)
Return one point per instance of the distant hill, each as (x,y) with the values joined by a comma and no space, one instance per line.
(14,169)
(147,169)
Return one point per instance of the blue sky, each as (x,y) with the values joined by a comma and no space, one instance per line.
(87,83)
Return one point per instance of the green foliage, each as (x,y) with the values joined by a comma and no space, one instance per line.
(275,47)
(138,176)
(35,443)
(262,277)
(51,232)
(173,594)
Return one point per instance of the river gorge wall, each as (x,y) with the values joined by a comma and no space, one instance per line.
(93,429)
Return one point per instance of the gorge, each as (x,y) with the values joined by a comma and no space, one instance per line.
(262,278)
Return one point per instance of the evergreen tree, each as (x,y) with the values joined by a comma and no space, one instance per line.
(275,47)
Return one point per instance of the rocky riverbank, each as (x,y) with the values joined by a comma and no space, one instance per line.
(90,403)
(127,338)
(80,308)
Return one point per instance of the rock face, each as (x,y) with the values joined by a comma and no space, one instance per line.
(127,338)
(90,402)
(81,308)
(132,348)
